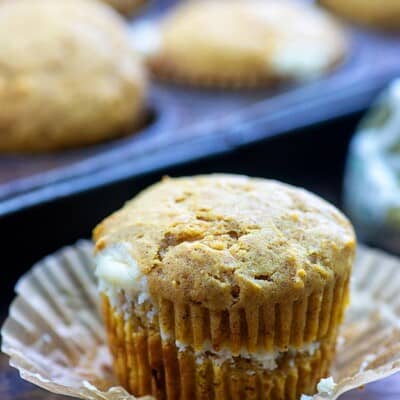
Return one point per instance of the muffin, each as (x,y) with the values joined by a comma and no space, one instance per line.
(377,13)
(68,75)
(244,43)
(126,7)
(223,287)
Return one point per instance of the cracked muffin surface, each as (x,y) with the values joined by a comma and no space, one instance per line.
(222,240)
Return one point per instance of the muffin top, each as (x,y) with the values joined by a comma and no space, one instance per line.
(126,7)
(224,240)
(248,39)
(378,13)
(68,75)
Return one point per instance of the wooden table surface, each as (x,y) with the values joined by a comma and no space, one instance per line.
(12,387)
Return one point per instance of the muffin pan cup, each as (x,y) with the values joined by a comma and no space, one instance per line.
(55,336)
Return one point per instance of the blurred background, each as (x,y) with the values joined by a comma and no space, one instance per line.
(336,133)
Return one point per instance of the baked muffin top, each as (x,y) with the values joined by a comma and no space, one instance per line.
(68,75)
(376,13)
(224,240)
(126,7)
(248,39)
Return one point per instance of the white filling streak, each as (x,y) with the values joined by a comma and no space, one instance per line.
(302,53)
(267,360)
(301,61)
(118,273)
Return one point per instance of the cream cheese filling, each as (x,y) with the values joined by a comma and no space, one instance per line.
(121,279)
(302,52)
(267,360)
(300,60)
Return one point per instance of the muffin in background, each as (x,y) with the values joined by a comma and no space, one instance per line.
(68,75)
(244,43)
(376,13)
(126,7)
(223,287)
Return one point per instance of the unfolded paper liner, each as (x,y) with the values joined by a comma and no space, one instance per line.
(55,337)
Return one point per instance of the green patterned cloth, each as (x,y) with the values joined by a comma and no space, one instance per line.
(372,180)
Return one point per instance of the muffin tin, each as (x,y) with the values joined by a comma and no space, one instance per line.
(312,157)
(187,123)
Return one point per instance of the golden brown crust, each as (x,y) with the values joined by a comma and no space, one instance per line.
(378,13)
(79,83)
(250,48)
(224,241)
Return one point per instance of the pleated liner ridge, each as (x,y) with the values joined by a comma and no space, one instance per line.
(145,364)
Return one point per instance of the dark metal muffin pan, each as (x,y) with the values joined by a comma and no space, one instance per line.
(188,123)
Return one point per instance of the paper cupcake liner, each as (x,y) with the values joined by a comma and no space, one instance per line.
(55,338)
(144,364)
(267,328)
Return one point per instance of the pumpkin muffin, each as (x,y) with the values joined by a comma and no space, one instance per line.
(223,287)
(245,43)
(68,75)
(377,13)
(126,7)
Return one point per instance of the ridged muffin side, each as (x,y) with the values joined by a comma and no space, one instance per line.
(226,269)
(145,363)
